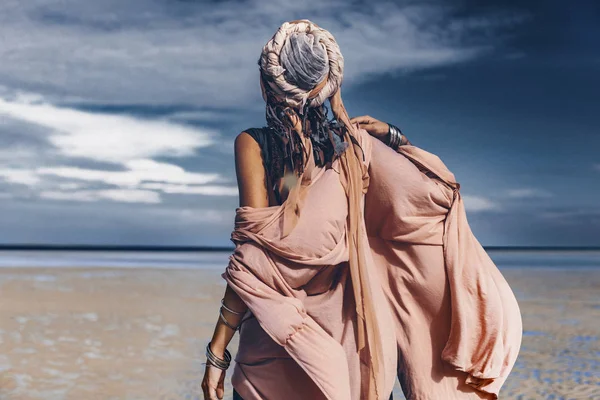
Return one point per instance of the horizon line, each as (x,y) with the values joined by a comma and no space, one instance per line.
(151,248)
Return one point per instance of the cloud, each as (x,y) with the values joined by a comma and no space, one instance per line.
(106,137)
(528,193)
(103,103)
(197,217)
(120,195)
(137,171)
(585,218)
(207,190)
(205,53)
(120,146)
(22,177)
(475,203)
(197,60)
(478,203)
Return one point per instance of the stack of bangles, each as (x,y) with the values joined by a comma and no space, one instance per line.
(395,137)
(215,361)
(211,358)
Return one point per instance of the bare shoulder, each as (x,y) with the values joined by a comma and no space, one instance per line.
(248,153)
(244,142)
(250,171)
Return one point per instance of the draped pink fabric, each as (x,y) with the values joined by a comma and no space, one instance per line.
(448,324)
(300,54)
(458,323)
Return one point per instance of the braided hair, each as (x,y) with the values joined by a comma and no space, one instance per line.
(326,135)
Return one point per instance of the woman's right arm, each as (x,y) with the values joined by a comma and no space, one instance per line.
(251,178)
(377,129)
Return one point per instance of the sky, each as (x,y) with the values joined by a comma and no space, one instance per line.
(117,118)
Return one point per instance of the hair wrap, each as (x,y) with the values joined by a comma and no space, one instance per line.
(280,52)
(304,60)
(296,59)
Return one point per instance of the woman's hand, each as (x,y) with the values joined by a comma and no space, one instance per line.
(376,128)
(213,384)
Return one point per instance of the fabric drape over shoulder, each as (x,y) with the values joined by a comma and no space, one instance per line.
(296,281)
(452,306)
(282,259)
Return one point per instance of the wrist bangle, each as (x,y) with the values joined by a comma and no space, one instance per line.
(215,361)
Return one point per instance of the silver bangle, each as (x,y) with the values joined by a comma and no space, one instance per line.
(393,136)
(393,142)
(396,138)
(230,310)
(235,328)
(212,359)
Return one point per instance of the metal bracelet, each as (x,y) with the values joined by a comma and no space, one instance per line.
(214,360)
(235,328)
(392,136)
(394,141)
(230,310)
(400,139)
(396,138)
(389,134)
(400,136)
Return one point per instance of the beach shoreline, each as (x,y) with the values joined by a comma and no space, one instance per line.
(139,333)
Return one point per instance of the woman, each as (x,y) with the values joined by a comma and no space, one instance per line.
(354,262)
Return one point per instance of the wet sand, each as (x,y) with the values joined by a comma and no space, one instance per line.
(132,333)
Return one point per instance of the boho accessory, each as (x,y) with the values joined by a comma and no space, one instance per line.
(223,306)
(230,310)
(235,328)
(212,359)
(395,136)
(300,68)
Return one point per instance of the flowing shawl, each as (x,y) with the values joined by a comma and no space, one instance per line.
(271,267)
(353,176)
(281,249)
(414,211)
(486,327)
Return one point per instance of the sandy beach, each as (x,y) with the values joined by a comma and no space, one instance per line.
(139,333)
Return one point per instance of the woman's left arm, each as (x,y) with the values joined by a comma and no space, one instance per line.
(379,129)
(251,177)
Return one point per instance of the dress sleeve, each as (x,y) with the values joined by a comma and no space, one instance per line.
(414,199)
(404,203)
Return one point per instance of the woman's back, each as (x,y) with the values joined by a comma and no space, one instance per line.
(277,166)
(321,227)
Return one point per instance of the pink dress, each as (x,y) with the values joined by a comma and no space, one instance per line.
(448,323)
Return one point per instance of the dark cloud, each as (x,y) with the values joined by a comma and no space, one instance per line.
(504,92)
